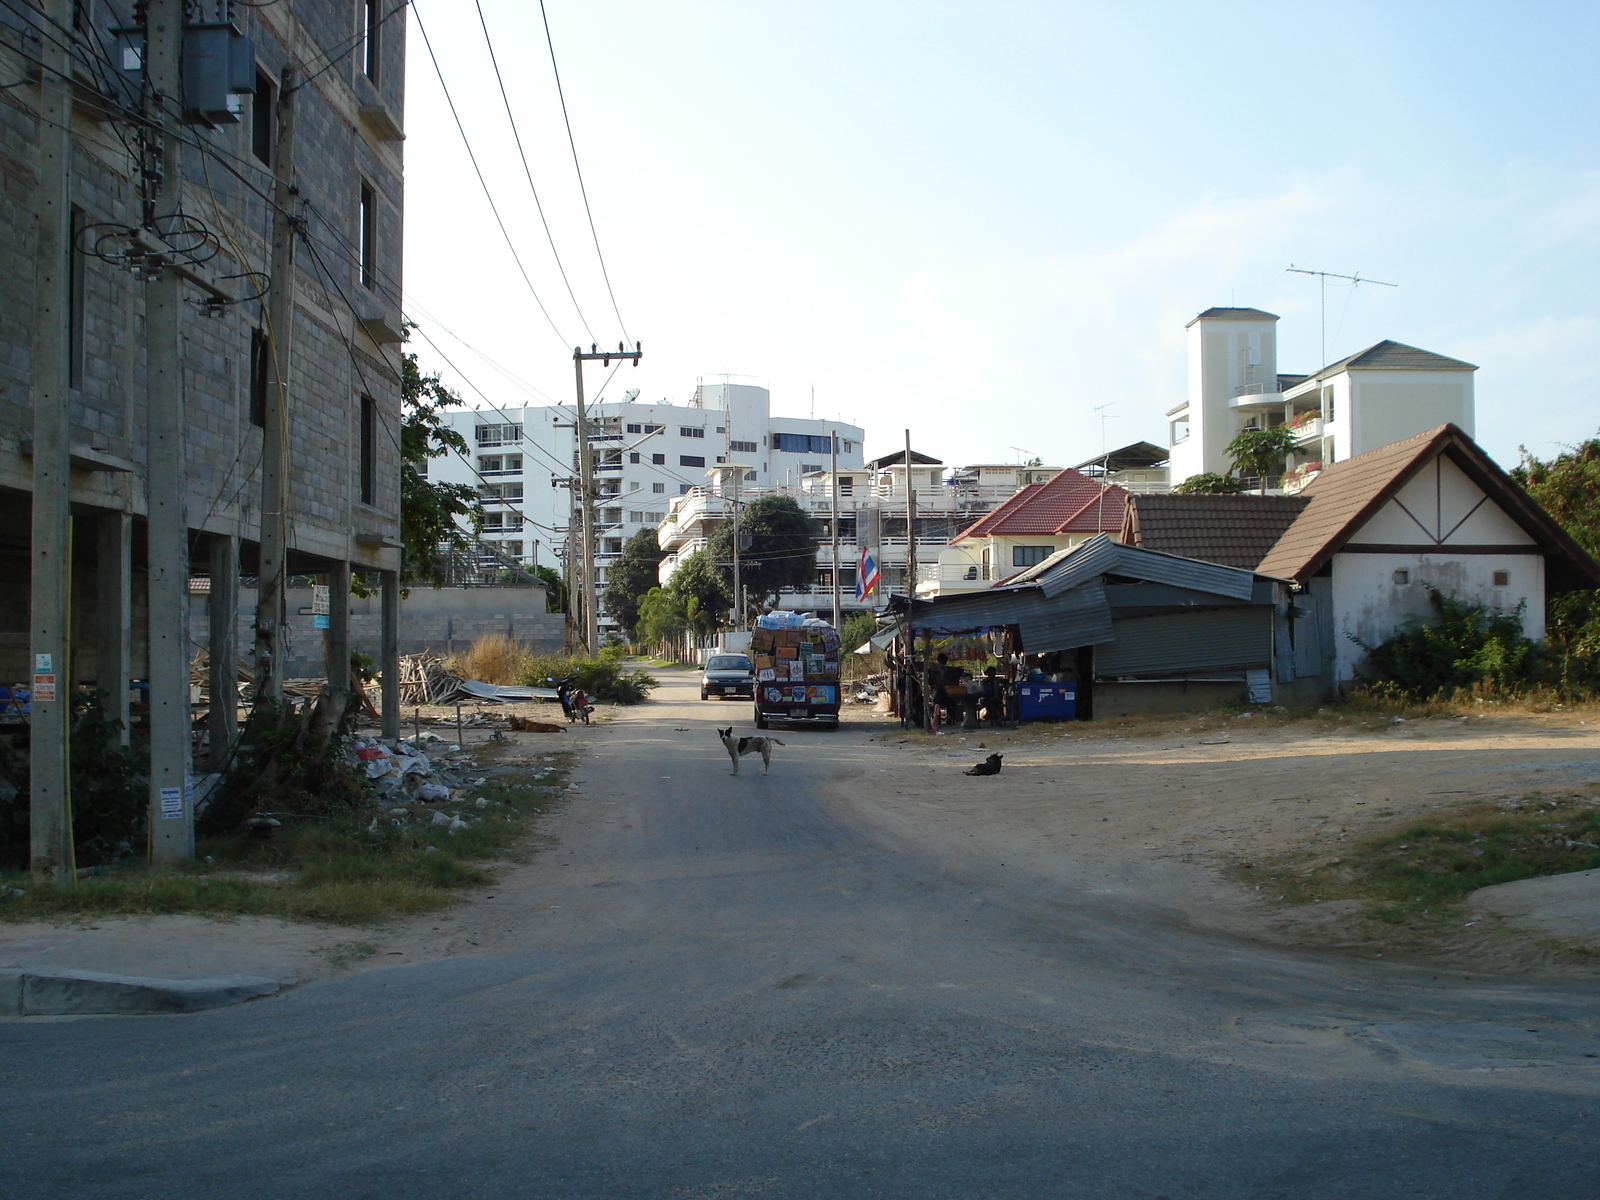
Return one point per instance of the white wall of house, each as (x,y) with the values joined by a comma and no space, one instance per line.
(1465,546)
(1233,361)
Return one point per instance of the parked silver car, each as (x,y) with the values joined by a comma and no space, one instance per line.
(728,675)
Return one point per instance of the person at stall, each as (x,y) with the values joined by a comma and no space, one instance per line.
(993,699)
(938,676)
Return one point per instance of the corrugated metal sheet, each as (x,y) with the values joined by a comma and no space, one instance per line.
(1080,617)
(1102,556)
(1216,639)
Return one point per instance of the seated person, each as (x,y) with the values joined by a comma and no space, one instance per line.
(993,698)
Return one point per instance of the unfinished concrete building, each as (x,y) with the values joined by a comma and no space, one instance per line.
(199,360)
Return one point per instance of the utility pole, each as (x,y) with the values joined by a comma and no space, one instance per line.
(738,590)
(269,645)
(49,798)
(591,614)
(167,526)
(833,522)
(911,530)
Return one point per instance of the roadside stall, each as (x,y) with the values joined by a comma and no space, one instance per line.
(797,670)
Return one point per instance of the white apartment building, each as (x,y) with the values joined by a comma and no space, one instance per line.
(872,513)
(645,455)
(1380,395)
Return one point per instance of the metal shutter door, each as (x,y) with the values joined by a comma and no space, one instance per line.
(1208,639)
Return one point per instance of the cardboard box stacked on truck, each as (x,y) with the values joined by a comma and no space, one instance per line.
(797,670)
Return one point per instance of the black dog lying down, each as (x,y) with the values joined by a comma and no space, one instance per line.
(989,766)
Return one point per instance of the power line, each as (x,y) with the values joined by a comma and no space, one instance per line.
(527,171)
(483,183)
(583,191)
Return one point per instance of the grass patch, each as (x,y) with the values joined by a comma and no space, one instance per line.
(1433,864)
(347,870)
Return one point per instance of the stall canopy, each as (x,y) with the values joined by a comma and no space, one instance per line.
(1151,612)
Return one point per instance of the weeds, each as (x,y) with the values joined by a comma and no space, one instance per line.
(348,868)
(1428,865)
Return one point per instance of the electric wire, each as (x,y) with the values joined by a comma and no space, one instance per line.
(528,171)
(582,190)
(483,183)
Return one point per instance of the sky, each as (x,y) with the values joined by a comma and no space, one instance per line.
(984,221)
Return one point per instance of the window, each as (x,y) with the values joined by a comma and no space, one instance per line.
(691,431)
(635,429)
(613,546)
(489,464)
(810,468)
(1030,556)
(1401,577)
(658,488)
(1502,579)
(722,458)
(370,20)
(635,517)
(749,476)
(658,460)
(800,443)
(492,521)
(422,468)
(722,429)
(514,549)
(683,489)
(498,435)
(367,248)
(1179,431)
(847,484)
(691,460)
(499,493)
(743,447)
(611,516)
(634,485)
(633,456)
(262,104)
(653,428)
(369,449)
(260,376)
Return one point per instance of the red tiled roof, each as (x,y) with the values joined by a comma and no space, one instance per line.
(1067,502)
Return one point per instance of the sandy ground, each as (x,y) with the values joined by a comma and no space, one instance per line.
(1155,811)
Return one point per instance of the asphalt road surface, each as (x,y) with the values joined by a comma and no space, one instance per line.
(734,987)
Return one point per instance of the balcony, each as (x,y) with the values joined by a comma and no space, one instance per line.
(1308,427)
(1248,399)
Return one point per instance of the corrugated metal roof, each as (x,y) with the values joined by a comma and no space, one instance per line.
(1083,614)
(1234,531)
(1101,556)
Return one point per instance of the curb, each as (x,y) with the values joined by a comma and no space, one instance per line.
(29,993)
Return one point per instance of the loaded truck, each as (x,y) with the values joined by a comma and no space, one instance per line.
(796,661)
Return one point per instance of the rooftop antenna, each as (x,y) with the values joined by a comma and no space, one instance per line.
(1322,286)
(1100,508)
(1022,455)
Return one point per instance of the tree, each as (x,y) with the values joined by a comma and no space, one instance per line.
(1211,483)
(698,586)
(1568,488)
(430,512)
(633,575)
(555,589)
(1260,452)
(778,547)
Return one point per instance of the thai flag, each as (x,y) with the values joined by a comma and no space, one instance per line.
(866,575)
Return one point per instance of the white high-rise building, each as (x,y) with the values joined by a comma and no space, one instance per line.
(645,454)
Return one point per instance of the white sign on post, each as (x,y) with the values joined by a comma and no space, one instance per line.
(319,600)
(42,664)
(172,804)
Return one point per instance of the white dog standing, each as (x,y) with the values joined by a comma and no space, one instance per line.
(748,745)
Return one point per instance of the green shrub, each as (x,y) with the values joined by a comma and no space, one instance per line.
(605,678)
(1460,644)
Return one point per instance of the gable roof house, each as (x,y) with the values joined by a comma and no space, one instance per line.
(1040,520)
(1366,540)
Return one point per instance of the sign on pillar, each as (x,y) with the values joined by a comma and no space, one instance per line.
(44,679)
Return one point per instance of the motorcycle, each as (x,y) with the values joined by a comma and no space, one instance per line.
(575,703)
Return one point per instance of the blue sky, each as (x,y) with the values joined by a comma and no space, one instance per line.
(981,221)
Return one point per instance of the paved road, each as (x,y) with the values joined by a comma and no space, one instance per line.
(734,987)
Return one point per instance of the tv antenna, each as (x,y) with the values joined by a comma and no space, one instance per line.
(1105,466)
(1356,280)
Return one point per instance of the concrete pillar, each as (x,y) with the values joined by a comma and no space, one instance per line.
(389,653)
(222,628)
(336,640)
(50,599)
(113,585)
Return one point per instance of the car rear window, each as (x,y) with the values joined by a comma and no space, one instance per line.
(729,662)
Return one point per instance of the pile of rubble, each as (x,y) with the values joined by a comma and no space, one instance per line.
(416,782)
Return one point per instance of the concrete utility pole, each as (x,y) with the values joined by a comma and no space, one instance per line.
(171,819)
(269,647)
(50,795)
(911,528)
(833,521)
(738,587)
(591,612)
